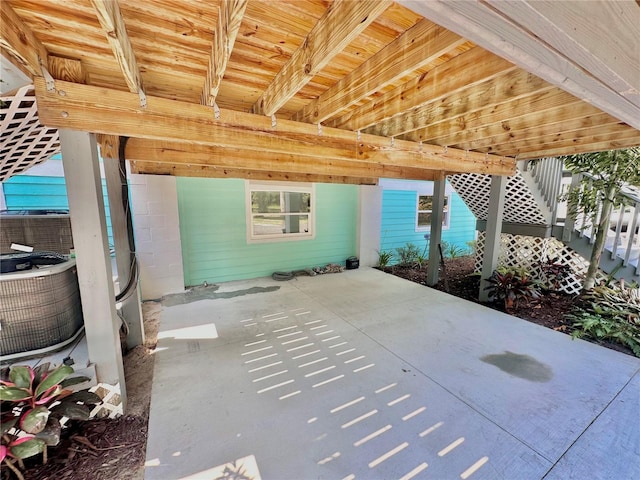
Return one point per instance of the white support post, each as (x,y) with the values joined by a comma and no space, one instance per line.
(90,241)
(369,224)
(437,215)
(131,309)
(493,231)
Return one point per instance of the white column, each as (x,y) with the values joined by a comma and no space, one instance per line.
(90,241)
(369,224)
(437,214)
(131,310)
(492,232)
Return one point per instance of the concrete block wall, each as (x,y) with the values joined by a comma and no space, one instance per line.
(157,231)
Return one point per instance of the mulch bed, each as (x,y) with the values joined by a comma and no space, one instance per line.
(549,311)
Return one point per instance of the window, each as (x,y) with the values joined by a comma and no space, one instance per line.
(280,211)
(425,209)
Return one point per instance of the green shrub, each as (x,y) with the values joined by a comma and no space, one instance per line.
(512,285)
(408,255)
(384,258)
(609,313)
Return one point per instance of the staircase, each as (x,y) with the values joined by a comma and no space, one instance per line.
(536,226)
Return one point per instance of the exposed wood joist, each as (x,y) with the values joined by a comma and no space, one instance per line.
(115,112)
(67,69)
(19,41)
(343,21)
(509,87)
(110,17)
(446,79)
(154,151)
(524,40)
(415,48)
(230,16)
(179,170)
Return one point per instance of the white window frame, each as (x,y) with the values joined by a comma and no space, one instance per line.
(446,220)
(257,186)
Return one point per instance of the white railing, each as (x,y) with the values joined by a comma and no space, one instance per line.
(547,173)
(623,238)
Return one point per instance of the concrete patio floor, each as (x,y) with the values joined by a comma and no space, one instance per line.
(362,375)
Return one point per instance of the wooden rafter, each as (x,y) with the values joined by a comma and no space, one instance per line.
(19,41)
(230,16)
(67,69)
(415,48)
(443,80)
(153,151)
(111,112)
(509,87)
(112,23)
(343,21)
(557,43)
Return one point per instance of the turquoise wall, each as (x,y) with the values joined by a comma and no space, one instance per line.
(27,192)
(214,239)
(399,221)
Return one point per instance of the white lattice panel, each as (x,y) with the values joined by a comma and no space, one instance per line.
(520,205)
(111,405)
(530,252)
(25,142)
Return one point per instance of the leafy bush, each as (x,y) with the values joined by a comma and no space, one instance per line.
(554,272)
(512,285)
(32,402)
(384,258)
(609,313)
(408,255)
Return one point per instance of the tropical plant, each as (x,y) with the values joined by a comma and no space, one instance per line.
(554,272)
(603,176)
(512,285)
(451,250)
(609,313)
(407,255)
(384,258)
(32,402)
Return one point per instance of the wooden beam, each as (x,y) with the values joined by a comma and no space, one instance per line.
(176,153)
(151,168)
(109,145)
(519,41)
(230,16)
(343,21)
(112,23)
(443,80)
(117,113)
(420,45)
(505,88)
(19,41)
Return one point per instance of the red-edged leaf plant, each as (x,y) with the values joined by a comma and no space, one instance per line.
(33,401)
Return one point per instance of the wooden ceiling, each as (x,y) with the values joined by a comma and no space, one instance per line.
(312,90)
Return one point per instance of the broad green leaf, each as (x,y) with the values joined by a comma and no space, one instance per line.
(8,425)
(13,394)
(40,371)
(67,382)
(34,420)
(51,433)
(72,410)
(54,378)
(84,396)
(27,448)
(22,376)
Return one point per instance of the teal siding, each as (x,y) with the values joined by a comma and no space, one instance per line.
(214,239)
(399,221)
(26,192)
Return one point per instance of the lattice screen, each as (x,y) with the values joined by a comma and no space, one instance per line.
(25,141)
(529,252)
(111,405)
(520,204)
